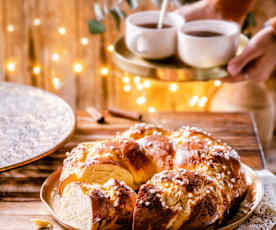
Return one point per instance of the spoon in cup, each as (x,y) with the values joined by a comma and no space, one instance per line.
(162,13)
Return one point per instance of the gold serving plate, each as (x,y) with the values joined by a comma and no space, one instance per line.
(253,197)
(170,69)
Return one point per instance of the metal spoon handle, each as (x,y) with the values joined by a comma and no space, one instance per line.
(162,13)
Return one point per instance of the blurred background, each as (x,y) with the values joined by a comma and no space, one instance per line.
(55,45)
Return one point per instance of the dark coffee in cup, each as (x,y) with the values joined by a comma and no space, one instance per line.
(203,33)
(154,25)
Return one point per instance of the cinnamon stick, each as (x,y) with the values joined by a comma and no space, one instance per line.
(96,115)
(125,114)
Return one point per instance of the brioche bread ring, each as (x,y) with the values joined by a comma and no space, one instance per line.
(185,179)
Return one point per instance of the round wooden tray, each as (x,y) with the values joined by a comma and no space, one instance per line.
(170,69)
(48,195)
(33,124)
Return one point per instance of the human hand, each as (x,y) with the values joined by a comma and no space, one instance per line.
(234,10)
(258,59)
(199,10)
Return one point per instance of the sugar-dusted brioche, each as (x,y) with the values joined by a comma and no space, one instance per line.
(186,179)
(142,130)
(154,142)
(119,158)
(198,151)
(159,149)
(94,207)
(178,199)
(99,167)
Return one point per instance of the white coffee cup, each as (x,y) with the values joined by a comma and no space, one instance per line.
(205,52)
(152,43)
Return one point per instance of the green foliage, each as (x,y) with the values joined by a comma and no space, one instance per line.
(117,15)
(133,4)
(249,21)
(96,27)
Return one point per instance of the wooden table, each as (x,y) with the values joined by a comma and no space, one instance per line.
(19,188)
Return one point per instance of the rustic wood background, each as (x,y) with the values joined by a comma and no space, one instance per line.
(28,45)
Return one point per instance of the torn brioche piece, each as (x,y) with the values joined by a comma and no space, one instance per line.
(97,206)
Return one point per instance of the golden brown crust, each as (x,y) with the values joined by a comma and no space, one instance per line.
(112,205)
(121,152)
(74,160)
(129,155)
(142,130)
(160,150)
(199,177)
(200,152)
(188,200)
(149,213)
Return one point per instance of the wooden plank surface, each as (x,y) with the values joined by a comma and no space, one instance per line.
(16,41)
(2,41)
(19,188)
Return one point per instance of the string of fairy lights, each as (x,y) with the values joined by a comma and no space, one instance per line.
(142,84)
(129,82)
(55,57)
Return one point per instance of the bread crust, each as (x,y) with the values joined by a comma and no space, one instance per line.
(149,213)
(181,199)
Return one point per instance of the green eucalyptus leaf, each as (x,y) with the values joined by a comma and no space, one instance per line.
(96,27)
(133,4)
(121,13)
(117,14)
(98,11)
(249,21)
(116,17)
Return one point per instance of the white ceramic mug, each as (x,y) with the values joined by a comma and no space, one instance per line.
(152,43)
(205,52)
